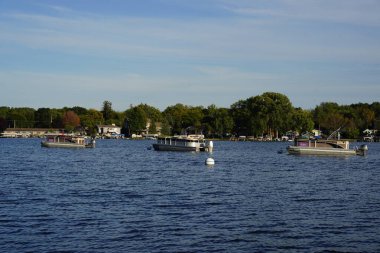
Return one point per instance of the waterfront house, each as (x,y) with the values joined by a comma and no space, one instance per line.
(149,127)
(108,130)
(369,135)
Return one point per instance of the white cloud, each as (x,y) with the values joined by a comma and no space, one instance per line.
(364,12)
(228,74)
(161,56)
(236,39)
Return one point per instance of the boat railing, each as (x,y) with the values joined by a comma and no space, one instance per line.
(335,133)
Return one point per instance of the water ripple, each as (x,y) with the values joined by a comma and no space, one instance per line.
(121,197)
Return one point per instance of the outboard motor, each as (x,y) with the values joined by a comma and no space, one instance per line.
(91,144)
(362,150)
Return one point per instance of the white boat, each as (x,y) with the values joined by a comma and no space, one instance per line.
(183,143)
(329,146)
(325,147)
(67,141)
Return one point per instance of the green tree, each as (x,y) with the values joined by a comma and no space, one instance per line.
(330,116)
(43,117)
(302,120)
(322,115)
(375,107)
(165,127)
(3,124)
(267,113)
(3,118)
(351,130)
(226,124)
(182,118)
(4,111)
(241,117)
(152,127)
(21,117)
(56,115)
(107,111)
(217,121)
(136,120)
(151,112)
(91,120)
(368,117)
(79,110)
(118,118)
(16,118)
(153,117)
(192,120)
(258,117)
(279,112)
(175,115)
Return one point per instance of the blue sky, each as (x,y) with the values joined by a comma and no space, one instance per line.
(198,52)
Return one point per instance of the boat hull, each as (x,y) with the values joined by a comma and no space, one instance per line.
(61,145)
(166,147)
(296,150)
(185,143)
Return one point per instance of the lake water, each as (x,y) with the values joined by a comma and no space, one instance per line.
(122,197)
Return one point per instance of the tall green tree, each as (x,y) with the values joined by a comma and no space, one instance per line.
(79,110)
(375,107)
(323,113)
(91,120)
(152,117)
(57,118)
(4,111)
(151,112)
(165,127)
(175,117)
(279,110)
(184,119)
(3,118)
(136,120)
(368,117)
(3,124)
(242,118)
(43,117)
(107,111)
(217,121)
(302,120)
(192,120)
(258,117)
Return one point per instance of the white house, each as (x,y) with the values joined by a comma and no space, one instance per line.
(109,129)
(370,132)
(316,132)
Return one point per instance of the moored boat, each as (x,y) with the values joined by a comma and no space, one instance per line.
(67,141)
(325,147)
(329,146)
(183,143)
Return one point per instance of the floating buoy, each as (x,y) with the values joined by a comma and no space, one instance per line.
(210,146)
(210,161)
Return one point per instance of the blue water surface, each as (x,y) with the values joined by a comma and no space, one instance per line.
(123,197)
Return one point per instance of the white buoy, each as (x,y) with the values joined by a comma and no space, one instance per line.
(210,161)
(210,146)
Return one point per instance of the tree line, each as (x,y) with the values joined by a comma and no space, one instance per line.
(267,114)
